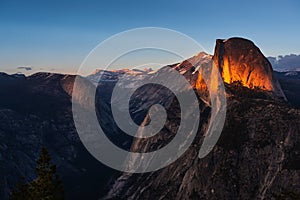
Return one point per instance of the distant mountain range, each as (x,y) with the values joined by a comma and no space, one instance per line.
(285,63)
(256,157)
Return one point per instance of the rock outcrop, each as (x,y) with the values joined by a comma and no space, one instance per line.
(240,60)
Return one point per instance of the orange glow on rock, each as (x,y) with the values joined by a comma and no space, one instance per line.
(226,71)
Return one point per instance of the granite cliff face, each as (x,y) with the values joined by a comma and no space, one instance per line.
(239,59)
(257,157)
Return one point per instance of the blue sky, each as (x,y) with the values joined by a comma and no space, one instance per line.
(57,35)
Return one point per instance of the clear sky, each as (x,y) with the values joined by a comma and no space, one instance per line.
(56,35)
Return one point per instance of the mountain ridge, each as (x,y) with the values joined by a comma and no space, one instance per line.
(246,162)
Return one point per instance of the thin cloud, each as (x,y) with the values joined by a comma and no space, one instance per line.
(27,68)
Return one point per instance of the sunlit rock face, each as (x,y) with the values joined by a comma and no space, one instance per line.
(240,60)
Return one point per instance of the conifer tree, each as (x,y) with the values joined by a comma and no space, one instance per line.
(47,185)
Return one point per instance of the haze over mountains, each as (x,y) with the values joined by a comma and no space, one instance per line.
(285,63)
(257,156)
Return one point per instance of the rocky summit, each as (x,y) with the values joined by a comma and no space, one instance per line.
(240,60)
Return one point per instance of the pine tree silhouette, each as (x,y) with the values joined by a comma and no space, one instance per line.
(47,185)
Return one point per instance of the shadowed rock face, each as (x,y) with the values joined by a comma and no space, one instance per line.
(240,60)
